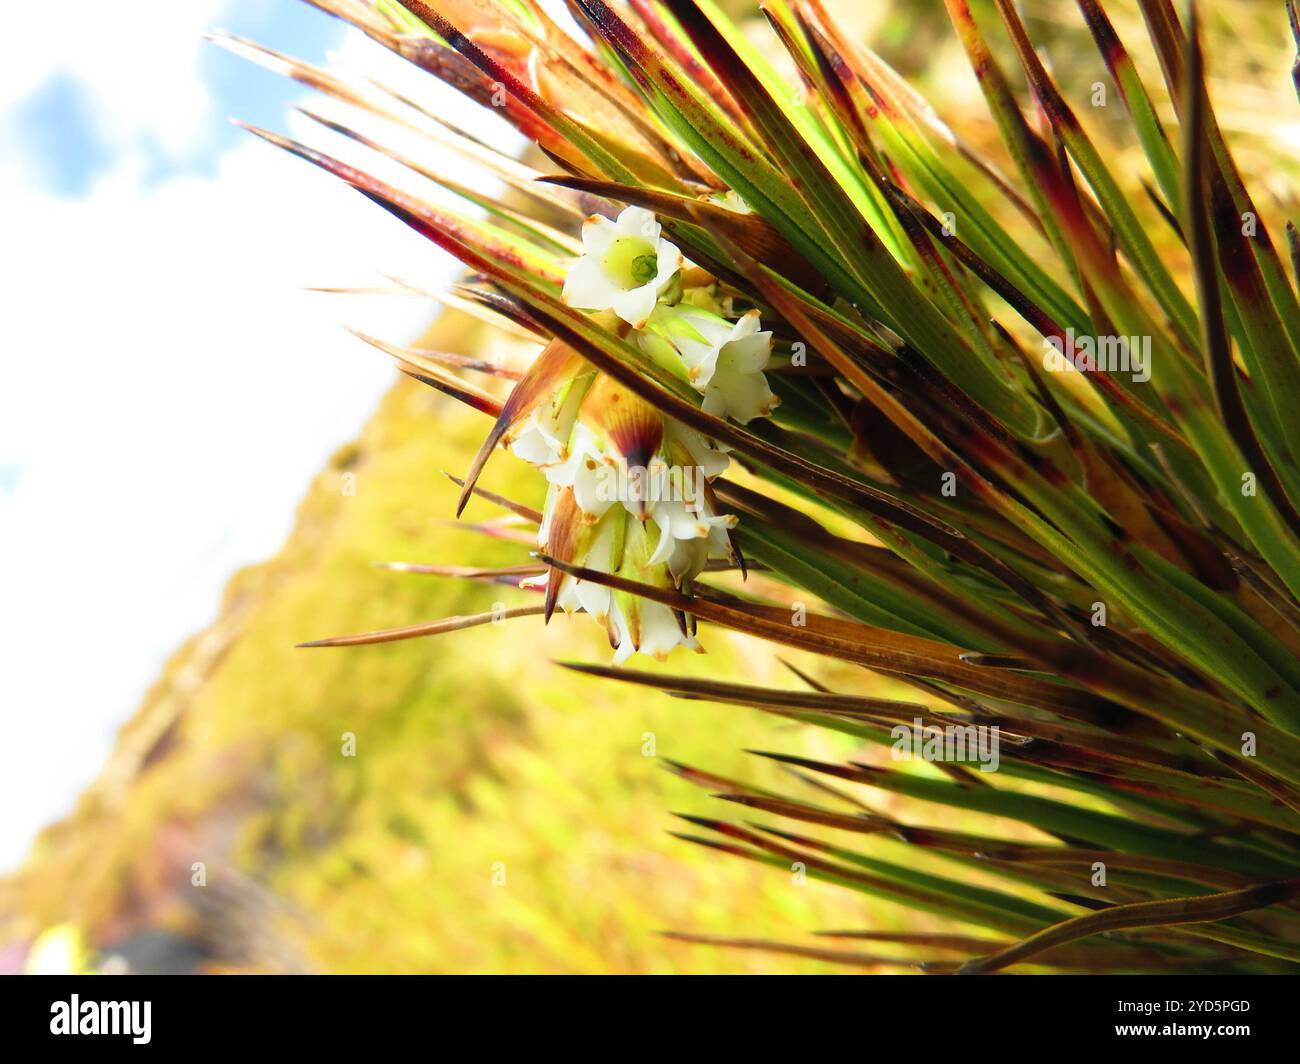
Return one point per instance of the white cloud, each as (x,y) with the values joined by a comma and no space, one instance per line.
(168,391)
(140,59)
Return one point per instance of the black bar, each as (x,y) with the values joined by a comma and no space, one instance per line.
(1010,1015)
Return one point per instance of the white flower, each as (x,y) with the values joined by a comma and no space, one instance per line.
(658,632)
(625,266)
(683,442)
(589,471)
(724,360)
(629,494)
(675,476)
(543,438)
(594,599)
(641,624)
(634,624)
(688,534)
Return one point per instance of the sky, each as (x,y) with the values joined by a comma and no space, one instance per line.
(167,386)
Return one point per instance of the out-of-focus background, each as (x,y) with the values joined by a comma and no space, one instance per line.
(217,800)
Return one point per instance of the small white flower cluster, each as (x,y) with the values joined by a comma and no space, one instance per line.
(628,267)
(629,488)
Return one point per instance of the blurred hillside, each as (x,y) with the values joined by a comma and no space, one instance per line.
(475,758)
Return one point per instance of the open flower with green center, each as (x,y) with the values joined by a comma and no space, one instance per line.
(625,267)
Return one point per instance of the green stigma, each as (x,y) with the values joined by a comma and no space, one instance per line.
(631,262)
(644,268)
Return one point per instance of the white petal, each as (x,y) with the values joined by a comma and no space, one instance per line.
(668,262)
(594,598)
(740,396)
(635,307)
(639,223)
(533,446)
(711,461)
(659,630)
(597,234)
(690,555)
(701,355)
(749,354)
(543,437)
(587,288)
(622,636)
(569,599)
(715,403)
(746,326)
(714,329)
(664,549)
(677,521)
(595,484)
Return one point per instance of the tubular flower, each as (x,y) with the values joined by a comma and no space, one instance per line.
(621,544)
(625,266)
(624,452)
(724,360)
(543,438)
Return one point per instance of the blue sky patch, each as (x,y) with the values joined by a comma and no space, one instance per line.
(55,127)
(246,91)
